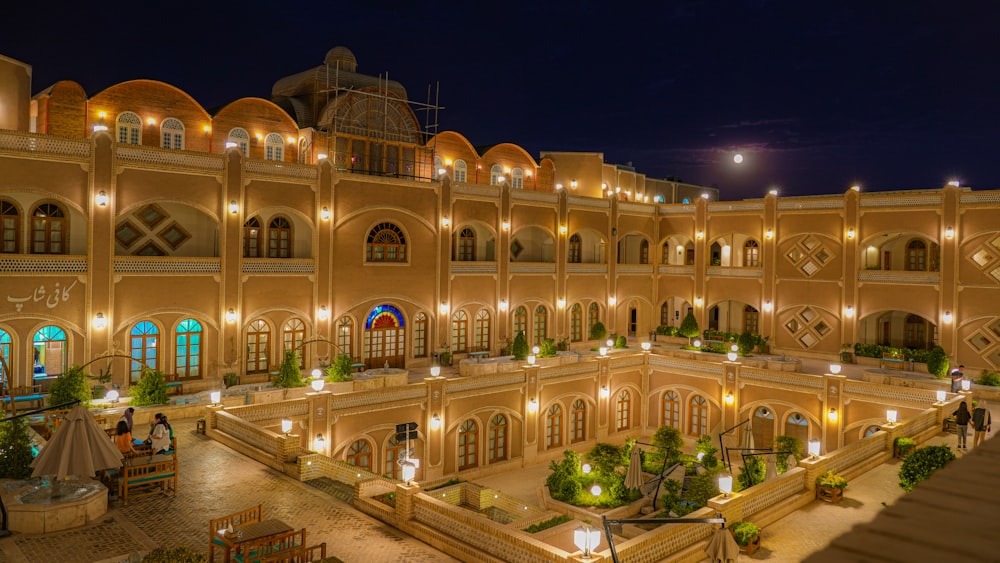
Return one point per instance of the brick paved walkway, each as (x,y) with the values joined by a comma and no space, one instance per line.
(215,481)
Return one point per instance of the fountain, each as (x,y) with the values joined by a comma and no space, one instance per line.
(40,505)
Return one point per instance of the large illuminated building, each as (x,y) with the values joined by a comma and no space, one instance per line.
(204,243)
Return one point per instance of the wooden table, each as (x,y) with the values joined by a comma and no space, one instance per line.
(248,533)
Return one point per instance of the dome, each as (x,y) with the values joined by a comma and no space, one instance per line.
(344,56)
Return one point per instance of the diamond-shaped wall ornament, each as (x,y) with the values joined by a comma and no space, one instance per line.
(982,257)
(808,340)
(795,255)
(808,314)
(809,268)
(811,242)
(127,233)
(793,326)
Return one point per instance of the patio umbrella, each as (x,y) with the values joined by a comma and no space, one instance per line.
(771,470)
(722,547)
(80,447)
(633,477)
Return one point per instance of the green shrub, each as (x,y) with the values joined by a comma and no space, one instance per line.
(702,487)
(668,443)
(605,457)
(151,389)
(786,444)
(15,449)
(621,342)
(545,525)
(831,479)
(689,326)
(598,332)
(751,473)
(563,482)
(937,363)
(746,343)
(289,374)
(921,463)
(520,346)
(705,445)
(990,378)
(71,386)
(547,348)
(174,555)
(744,532)
(903,445)
(340,369)
(666,330)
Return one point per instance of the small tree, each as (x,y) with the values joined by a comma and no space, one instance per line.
(689,327)
(151,389)
(751,473)
(340,370)
(668,443)
(598,332)
(520,346)
(921,463)
(70,386)
(289,374)
(937,363)
(786,444)
(746,342)
(605,457)
(562,482)
(15,449)
(547,348)
(704,446)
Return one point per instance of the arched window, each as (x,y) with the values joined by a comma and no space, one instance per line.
(345,335)
(520,320)
(916,256)
(279,238)
(578,422)
(665,253)
(461,171)
(671,410)
(51,351)
(142,338)
(762,427)
(274,147)
(172,134)
(517,179)
(575,249)
(420,335)
(576,323)
(540,328)
(467,245)
(751,254)
(187,349)
(394,451)
(697,416)
(797,426)
(623,411)
(498,438)
(438,166)
(871,430)
(360,454)
(5,348)
(553,426)
(10,227)
(495,174)
(689,254)
(251,238)
(593,317)
(258,339)
(665,313)
(468,442)
(386,243)
(644,252)
(129,128)
(48,229)
(292,335)
(751,320)
(459,332)
(239,138)
(915,332)
(482,331)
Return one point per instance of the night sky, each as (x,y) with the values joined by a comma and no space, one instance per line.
(816,95)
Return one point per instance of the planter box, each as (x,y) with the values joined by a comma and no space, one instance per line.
(829,494)
(752,546)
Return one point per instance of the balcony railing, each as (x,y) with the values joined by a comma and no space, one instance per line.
(166,265)
(473,267)
(892,276)
(42,264)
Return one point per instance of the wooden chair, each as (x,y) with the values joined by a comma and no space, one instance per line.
(235,520)
(301,554)
(270,547)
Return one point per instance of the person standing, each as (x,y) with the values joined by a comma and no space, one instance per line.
(962,418)
(957,375)
(981,421)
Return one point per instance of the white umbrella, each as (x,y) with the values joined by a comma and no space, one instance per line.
(771,470)
(722,547)
(80,447)
(633,477)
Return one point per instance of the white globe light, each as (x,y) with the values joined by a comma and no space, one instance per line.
(738,158)
(595,490)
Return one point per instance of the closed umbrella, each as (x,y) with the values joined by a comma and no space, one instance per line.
(771,470)
(80,447)
(722,547)
(633,477)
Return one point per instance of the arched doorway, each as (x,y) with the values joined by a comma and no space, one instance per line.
(385,338)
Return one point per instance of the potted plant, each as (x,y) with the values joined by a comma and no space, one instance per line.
(747,536)
(845,353)
(762,346)
(231,379)
(902,446)
(830,487)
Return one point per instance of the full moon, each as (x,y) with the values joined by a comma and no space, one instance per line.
(738,158)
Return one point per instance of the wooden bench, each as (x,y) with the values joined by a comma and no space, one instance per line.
(479,355)
(30,395)
(358,367)
(147,479)
(299,555)
(890,362)
(173,385)
(270,547)
(235,520)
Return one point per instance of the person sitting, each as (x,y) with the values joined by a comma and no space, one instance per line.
(123,438)
(160,437)
(127,417)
